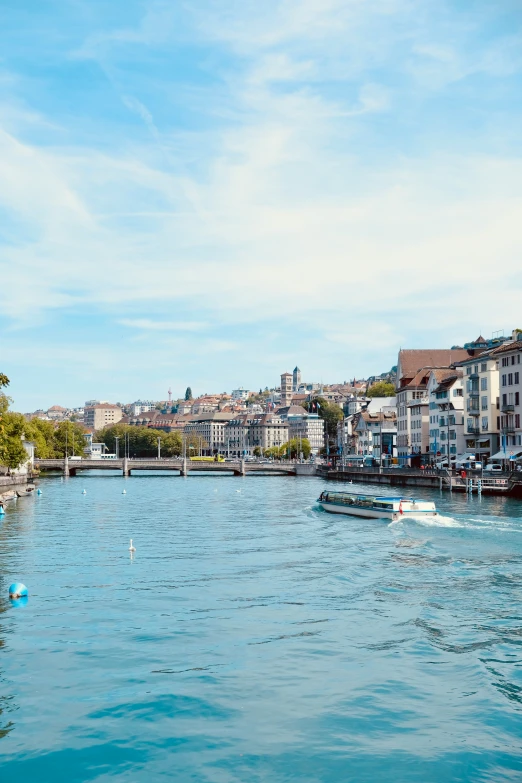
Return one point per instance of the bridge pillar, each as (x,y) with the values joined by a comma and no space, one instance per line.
(242,471)
(183,468)
(66,467)
(126,470)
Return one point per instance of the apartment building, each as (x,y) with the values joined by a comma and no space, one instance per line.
(375,433)
(211,427)
(286,388)
(267,431)
(413,369)
(482,404)
(510,391)
(446,413)
(102,415)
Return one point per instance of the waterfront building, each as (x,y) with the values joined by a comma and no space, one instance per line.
(413,368)
(267,431)
(211,427)
(511,397)
(237,435)
(446,413)
(482,404)
(375,433)
(302,424)
(103,415)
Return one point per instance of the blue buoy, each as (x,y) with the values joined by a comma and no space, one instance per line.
(17,590)
(2,512)
(38,491)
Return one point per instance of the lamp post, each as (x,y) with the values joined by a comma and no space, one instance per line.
(159,448)
(117,447)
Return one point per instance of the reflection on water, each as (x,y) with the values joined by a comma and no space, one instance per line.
(252,636)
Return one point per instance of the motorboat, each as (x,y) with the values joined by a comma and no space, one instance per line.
(392,507)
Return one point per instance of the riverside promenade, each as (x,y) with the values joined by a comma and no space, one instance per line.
(499,484)
(180,467)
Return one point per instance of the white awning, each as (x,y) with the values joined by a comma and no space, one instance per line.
(511,453)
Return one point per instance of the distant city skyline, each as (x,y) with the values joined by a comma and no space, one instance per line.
(208,194)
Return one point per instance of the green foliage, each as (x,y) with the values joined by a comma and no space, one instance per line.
(143,441)
(381,389)
(188,393)
(4,380)
(12,452)
(290,450)
(331,413)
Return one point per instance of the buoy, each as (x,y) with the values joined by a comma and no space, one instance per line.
(132,548)
(124,492)
(238,490)
(38,491)
(2,511)
(84,491)
(17,590)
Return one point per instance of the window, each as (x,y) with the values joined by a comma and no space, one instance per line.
(457,392)
(517,378)
(453,435)
(504,380)
(468,370)
(512,360)
(483,384)
(517,398)
(484,403)
(504,399)
(484,423)
(510,379)
(517,420)
(483,367)
(505,361)
(476,369)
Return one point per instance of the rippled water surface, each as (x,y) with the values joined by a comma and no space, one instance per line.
(252,637)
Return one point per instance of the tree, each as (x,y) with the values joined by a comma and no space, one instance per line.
(381,389)
(328,411)
(188,393)
(69,438)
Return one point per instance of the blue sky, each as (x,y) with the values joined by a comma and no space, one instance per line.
(209,193)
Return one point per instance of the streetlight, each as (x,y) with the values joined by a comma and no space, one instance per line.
(159,448)
(116,438)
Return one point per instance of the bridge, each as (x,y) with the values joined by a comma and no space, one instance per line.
(181,467)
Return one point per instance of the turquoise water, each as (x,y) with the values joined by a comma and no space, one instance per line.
(252,637)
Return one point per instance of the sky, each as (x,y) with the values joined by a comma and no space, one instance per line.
(210,193)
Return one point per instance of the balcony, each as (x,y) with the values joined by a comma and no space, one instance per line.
(474,393)
(508,408)
(473,412)
(509,429)
(473,430)
(473,377)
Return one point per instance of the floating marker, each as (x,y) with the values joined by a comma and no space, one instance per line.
(124,492)
(38,491)
(132,548)
(2,512)
(84,491)
(17,590)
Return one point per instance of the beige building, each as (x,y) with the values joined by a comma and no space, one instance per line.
(102,415)
(286,388)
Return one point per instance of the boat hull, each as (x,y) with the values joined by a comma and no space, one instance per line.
(355,511)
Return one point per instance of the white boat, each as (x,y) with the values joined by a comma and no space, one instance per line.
(375,507)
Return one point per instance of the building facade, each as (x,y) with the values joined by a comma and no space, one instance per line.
(103,415)
(446,414)
(482,404)
(286,388)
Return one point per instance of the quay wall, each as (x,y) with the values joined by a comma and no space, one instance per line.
(393,478)
(6,482)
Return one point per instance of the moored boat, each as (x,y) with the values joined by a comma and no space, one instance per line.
(375,506)
(26,491)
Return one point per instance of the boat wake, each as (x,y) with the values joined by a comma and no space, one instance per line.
(429,520)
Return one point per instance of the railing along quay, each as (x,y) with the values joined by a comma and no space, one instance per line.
(497,484)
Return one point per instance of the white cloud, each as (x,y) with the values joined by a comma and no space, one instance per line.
(163,326)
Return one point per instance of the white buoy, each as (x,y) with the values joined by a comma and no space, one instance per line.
(84,491)
(124,492)
(238,490)
(132,548)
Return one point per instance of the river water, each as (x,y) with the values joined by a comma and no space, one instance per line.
(252,637)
